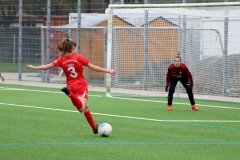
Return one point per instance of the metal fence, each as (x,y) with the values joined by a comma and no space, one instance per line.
(34,17)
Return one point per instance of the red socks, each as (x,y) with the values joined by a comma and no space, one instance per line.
(90,120)
(76,102)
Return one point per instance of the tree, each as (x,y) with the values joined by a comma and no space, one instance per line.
(63,7)
(8,10)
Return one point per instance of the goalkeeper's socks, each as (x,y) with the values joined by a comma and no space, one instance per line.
(90,120)
(76,102)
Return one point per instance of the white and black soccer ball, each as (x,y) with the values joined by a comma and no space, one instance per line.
(105,130)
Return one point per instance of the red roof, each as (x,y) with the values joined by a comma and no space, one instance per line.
(24,16)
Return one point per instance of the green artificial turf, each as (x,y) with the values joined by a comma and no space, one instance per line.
(41,123)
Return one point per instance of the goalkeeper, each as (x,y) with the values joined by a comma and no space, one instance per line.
(178,71)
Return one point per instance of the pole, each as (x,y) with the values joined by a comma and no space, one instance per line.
(48,36)
(14,48)
(20,43)
(225,56)
(42,54)
(79,28)
(145,43)
(105,53)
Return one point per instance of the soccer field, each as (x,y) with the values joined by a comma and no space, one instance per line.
(41,123)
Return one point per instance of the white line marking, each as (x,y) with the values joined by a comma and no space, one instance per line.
(17,89)
(132,99)
(139,118)
(54,109)
(144,100)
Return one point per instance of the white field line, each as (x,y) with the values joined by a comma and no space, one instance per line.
(111,115)
(144,100)
(132,99)
(30,90)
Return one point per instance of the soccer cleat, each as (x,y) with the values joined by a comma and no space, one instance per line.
(66,90)
(95,131)
(169,108)
(194,107)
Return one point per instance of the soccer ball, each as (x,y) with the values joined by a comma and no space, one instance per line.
(105,130)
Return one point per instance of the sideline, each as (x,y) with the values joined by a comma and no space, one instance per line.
(119,116)
(33,82)
(132,99)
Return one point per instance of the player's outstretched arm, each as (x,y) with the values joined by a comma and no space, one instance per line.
(100,69)
(42,67)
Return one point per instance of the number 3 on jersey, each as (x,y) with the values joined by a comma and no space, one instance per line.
(73,72)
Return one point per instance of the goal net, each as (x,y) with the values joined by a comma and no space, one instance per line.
(144,39)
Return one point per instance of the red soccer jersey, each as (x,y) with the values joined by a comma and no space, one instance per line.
(181,72)
(73,68)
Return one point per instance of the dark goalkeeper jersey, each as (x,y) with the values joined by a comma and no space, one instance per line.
(178,73)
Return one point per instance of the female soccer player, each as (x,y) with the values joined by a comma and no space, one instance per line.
(178,71)
(1,76)
(77,87)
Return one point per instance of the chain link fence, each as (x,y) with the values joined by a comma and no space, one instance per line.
(34,38)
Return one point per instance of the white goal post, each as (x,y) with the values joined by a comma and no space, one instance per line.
(143,40)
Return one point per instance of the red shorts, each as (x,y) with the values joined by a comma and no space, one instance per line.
(79,90)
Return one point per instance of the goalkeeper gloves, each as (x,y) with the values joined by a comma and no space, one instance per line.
(191,86)
(166,87)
